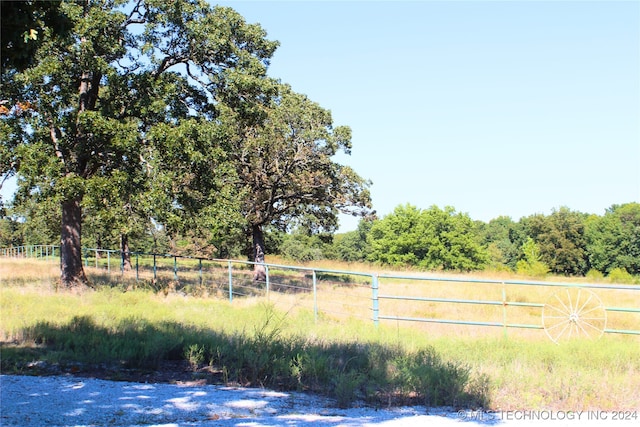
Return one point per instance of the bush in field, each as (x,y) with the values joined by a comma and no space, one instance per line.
(620,275)
(594,275)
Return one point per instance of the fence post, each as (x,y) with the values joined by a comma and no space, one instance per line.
(137,269)
(504,309)
(200,269)
(315,297)
(230,283)
(374,296)
(109,262)
(266,270)
(154,269)
(175,268)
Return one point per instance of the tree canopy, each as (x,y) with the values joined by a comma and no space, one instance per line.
(285,168)
(147,109)
(614,239)
(433,238)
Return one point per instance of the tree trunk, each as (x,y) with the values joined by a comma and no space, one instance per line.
(72,272)
(259,271)
(126,255)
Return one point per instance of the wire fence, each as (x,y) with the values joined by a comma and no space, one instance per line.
(563,311)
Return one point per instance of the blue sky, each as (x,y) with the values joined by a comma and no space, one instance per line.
(493,107)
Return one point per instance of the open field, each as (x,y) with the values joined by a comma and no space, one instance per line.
(280,342)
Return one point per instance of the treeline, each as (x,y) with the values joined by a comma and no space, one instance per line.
(566,242)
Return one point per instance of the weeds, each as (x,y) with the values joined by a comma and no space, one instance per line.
(252,343)
(267,356)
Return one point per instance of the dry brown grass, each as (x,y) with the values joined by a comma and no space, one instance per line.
(526,370)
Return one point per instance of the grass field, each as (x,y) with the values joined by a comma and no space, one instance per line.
(278,343)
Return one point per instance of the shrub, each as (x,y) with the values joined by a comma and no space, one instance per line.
(620,275)
(594,275)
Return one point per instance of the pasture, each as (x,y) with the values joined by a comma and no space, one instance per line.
(322,342)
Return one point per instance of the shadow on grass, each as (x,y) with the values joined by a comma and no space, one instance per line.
(347,372)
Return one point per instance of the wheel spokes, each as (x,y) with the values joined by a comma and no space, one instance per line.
(573,313)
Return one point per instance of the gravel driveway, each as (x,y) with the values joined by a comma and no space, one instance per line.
(71,401)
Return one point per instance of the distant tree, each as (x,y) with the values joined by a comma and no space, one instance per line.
(613,240)
(400,238)
(561,239)
(10,232)
(432,239)
(34,221)
(566,240)
(501,237)
(532,264)
(353,245)
(302,247)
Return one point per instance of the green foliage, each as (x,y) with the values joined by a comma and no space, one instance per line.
(301,247)
(501,236)
(9,235)
(531,265)
(30,223)
(594,275)
(614,239)
(23,26)
(284,166)
(620,275)
(430,239)
(438,382)
(353,246)
(561,240)
(174,122)
(85,113)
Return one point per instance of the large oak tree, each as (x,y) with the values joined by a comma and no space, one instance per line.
(82,107)
(286,169)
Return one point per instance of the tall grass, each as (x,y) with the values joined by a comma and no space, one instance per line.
(254,342)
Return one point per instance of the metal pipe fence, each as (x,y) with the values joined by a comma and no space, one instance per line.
(562,310)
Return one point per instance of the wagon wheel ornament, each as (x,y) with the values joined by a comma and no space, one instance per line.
(574,313)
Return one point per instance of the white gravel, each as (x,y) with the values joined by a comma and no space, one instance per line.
(71,401)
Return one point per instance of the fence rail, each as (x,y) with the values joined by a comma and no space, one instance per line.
(562,310)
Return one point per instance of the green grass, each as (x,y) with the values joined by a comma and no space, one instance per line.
(253,342)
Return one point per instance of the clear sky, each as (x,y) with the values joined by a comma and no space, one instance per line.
(493,107)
